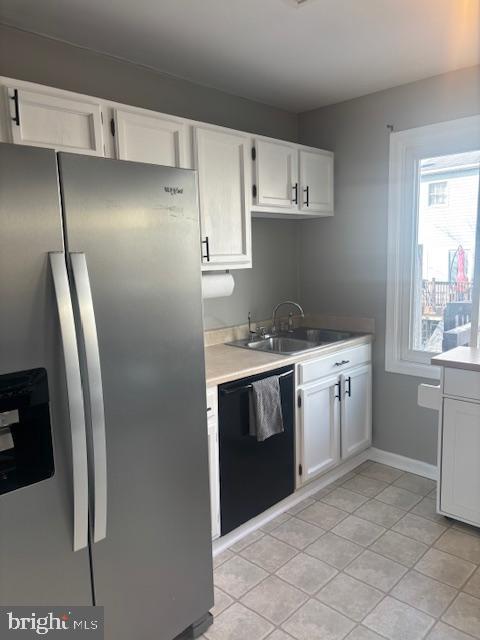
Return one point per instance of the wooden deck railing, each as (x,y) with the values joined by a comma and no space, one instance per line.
(437,294)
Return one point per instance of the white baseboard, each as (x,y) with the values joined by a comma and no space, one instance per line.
(403,463)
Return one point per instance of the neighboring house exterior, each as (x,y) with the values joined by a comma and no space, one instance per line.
(448,208)
(448,202)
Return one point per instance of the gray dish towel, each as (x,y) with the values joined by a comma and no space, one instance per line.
(265,408)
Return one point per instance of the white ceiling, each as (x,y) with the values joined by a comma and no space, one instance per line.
(297,57)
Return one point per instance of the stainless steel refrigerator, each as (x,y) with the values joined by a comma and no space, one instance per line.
(103,438)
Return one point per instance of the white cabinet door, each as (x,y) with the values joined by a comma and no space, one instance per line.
(155,139)
(214,470)
(460,468)
(356,411)
(276,167)
(43,119)
(316,180)
(224,182)
(320,423)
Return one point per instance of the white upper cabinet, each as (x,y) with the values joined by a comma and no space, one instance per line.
(222,160)
(43,119)
(152,138)
(276,174)
(291,180)
(356,412)
(316,180)
(320,427)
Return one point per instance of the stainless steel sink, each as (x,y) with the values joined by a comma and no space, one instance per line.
(321,335)
(280,345)
(292,342)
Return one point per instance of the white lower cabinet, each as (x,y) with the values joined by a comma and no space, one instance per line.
(213,461)
(334,417)
(460,456)
(356,411)
(320,420)
(457,399)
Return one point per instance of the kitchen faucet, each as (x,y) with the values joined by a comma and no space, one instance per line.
(261,332)
(277,307)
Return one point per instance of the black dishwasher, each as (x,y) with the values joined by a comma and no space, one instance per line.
(253,475)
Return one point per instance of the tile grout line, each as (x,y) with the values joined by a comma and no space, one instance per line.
(408,569)
(430,546)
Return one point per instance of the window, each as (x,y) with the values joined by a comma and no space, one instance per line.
(432,284)
(437,194)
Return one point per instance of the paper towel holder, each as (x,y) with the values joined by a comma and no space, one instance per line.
(217,285)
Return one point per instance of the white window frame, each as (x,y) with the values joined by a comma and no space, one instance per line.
(407,148)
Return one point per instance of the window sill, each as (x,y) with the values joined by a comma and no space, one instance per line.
(415,369)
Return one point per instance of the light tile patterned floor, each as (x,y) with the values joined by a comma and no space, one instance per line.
(367,558)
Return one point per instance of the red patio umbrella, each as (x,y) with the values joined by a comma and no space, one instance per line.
(461,278)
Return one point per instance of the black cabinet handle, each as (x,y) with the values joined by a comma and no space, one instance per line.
(207,248)
(340,364)
(307,194)
(295,191)
(349,390)
(339,395)
(16,117)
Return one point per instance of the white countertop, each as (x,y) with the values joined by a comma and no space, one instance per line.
(459,358)
(224,363)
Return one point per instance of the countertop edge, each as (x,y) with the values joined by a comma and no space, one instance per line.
(467,358)
(276,361)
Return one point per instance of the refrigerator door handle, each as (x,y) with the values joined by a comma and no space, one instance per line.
(95,392)
(75,400)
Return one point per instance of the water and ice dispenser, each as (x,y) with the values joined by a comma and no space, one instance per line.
(26,449)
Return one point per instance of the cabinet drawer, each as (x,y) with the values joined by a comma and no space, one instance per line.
(333,363)
(212,401)
(461,383)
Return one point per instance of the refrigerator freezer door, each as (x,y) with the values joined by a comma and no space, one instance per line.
(37,562)
(138,227)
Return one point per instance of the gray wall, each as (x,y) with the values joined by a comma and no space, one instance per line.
(274,276)
(343,260)
(338,264)
(26,56)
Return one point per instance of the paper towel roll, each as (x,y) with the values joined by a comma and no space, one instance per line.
(217,285)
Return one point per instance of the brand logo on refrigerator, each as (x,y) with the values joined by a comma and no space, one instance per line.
(22,622)
(173,191)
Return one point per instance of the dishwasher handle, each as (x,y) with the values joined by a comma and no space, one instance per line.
(247,387)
